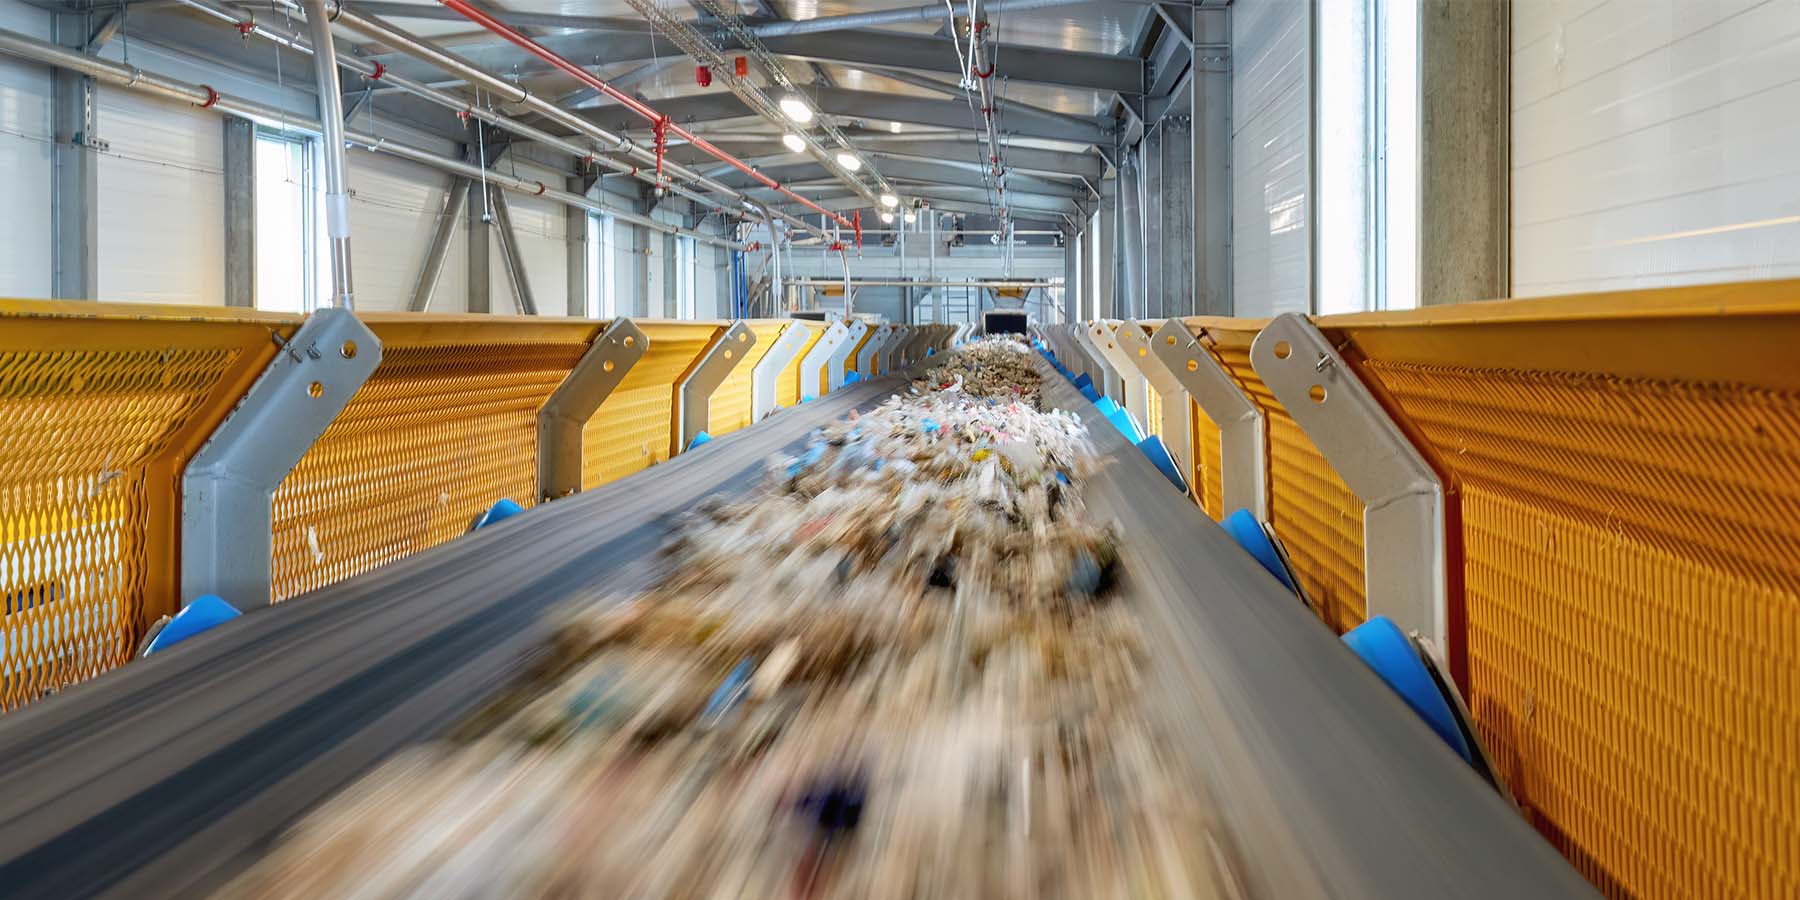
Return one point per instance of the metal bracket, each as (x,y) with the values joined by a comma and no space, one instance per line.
(1134,391)
(962,333)
(889,355)
(1243,461)
(865,361)
(1106,381)
(765,377)
(835,366)
(1403,498)
(913,348)
(816,358)
(705,376)
(1177,431)
(227,488)
(574,402)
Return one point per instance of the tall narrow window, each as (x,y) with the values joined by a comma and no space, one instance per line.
(1397,147)
(1091,309)
(287,223)
(609,281)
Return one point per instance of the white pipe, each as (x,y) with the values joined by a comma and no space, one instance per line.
(337,176)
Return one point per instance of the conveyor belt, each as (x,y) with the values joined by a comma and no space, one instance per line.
(169,775)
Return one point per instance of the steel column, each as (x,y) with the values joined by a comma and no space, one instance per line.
(510,256)
(564,416)
(229,484)
(481,285)
(449,217)
(75,192)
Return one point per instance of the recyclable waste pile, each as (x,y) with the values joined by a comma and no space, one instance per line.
(902,668)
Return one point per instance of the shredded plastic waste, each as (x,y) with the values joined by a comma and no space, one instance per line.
(902,668)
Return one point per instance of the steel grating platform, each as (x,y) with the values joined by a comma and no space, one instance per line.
(165,778)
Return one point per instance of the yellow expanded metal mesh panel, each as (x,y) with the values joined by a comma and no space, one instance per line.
(1207,464)
(445,426)
(1631,557)
(101,406)
(787,387)
(635,428)
(1312,510)
(1153,407)
(730,409)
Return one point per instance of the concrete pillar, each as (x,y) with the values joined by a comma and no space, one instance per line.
(240,212)
(1464,136)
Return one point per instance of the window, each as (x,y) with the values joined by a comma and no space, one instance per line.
(598,303)
(1092,307)
(289,226)
(1397,152)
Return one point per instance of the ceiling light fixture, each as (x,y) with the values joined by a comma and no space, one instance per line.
(890,201)
(849,162)
(911,217)
(887,218)
(796,109)
(794,142)
(894,127)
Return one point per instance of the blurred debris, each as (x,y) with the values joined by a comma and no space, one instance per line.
(886,674)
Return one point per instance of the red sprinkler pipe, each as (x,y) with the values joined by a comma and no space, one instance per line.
(643,109)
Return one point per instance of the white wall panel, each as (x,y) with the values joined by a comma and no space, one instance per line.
(1654,143)
(27,132)
(1270,154)
(162,201)
(393,213)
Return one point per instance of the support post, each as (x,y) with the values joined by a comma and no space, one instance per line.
(75,241)
(815,359)
(510,256)
(480,280)
(834,373)
(1134,390)
(574,402)
(765,377)
(1177,411)
(240,212)
(448,218)
(229,484)
(889,354)
(1243,458)
(704,378)
(1210,95)
(871,352)
(1404,536)
(1100,370)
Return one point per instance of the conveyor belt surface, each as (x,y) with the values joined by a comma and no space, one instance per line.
(1327,783)
(168,776)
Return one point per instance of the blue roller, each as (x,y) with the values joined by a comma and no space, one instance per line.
(1092,395)
(1249,534)
(1159,456)
(701,438)
(1386,649)
(501,510)
(202,615)
(1082,381)
(851,378)
(1106,406)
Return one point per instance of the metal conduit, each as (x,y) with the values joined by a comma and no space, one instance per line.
(337,176)
(245,21)
(538,50)
(205,97)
